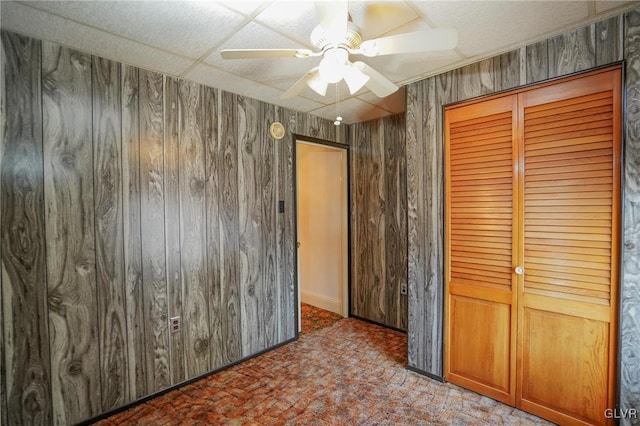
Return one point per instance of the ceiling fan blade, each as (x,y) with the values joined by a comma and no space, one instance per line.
(333,16)
(355,78)
(299,85)
(419,41)
(265,53)
(377,83)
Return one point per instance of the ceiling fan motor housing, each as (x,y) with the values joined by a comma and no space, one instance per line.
(351,40)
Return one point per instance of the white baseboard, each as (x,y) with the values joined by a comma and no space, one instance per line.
(321,301)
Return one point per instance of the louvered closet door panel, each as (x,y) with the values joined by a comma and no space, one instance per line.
(570,193)
(480,254)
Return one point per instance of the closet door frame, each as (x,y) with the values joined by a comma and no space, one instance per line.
(518,288)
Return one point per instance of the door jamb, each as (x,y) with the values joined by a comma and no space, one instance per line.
(298,137)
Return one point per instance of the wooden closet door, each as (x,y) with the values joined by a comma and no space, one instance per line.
(567,299)
(481,207)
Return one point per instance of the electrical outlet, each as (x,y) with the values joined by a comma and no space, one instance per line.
(403,288)
(175,324)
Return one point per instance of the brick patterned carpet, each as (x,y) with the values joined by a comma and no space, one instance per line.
(351,373)
(314,319)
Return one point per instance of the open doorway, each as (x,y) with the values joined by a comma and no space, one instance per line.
(322,226)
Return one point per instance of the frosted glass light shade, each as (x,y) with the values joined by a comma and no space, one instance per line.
(333,65)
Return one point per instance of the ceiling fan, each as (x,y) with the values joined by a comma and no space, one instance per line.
(337,37)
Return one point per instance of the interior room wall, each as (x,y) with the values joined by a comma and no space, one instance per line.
(378,221)
(127,198)
(602,43)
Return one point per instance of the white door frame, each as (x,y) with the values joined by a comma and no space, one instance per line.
(346,284)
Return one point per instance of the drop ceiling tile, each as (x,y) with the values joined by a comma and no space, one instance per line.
(186,28)
(246,7)
(376,18)
(294,19)
(352,111)
(486,27)
(220,79)
(44,26)
(394,103)
(268,70)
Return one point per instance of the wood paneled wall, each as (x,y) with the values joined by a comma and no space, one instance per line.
(378,221)
(581,49)
(129,197)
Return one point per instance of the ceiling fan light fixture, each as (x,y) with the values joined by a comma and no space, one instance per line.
(333,66)
(335,38)
(355,78)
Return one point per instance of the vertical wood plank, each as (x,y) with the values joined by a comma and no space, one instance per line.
(132,245)
(280,176)
(25,365)
(401,215)
(362,265)
(269,180)
(289,298)
(71,269)
(362,278)
(415,222)
(375,305)
(230,244)
(629,386)
(342,134)
(537,62)
(314,126)
(213,162)
(3,120)
(371,291)
(286,188)
(193,228)
(250,221)
(609,41)
(107,175)
(475,79)
(506,70)
(152,231)
(434,94)
(175,290)
(301,126)
(523,65)
(3,375)
(444,93)
(354,222)
(395,238)
(572,51)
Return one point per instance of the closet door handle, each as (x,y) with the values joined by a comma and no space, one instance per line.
(520,270)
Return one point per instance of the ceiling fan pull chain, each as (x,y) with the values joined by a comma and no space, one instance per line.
(338,116)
